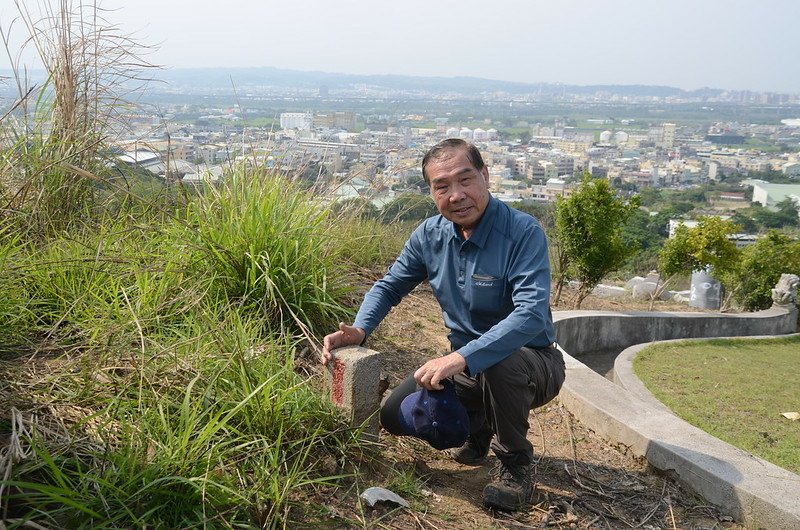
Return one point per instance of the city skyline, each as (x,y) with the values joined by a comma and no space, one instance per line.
(735,45)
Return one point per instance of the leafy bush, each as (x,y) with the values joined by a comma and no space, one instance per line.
(589,233)
(760,267)
(703,246)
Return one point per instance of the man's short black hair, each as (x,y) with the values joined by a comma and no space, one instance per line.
(444,147)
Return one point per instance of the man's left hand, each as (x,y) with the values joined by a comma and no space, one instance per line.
(432,372)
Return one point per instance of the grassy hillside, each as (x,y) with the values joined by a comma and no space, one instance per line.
(153,365)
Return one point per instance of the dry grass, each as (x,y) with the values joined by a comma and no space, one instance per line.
(63,122)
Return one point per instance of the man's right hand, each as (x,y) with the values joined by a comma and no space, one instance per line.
(345,336)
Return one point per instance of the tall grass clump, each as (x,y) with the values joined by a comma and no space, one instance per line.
(177,403)
(268,248)
(369,245)
(153,379)
(104,287)
(62,121)
(214,430)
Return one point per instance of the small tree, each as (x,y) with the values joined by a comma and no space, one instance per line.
(705,246)
(559,264)
(760,268)
(589,225)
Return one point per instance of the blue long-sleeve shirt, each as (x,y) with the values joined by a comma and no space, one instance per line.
(494,288)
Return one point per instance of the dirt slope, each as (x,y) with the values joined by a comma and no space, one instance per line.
(582,481)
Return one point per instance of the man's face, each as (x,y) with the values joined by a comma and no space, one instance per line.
(460,191)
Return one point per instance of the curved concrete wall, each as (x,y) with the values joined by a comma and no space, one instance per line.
(583,331)
(749,488)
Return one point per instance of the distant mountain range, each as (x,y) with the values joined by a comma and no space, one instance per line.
(223,77)
(226,78)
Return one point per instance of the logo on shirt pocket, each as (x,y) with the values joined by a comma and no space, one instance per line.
(484,280)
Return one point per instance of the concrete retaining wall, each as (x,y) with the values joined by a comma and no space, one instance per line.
(748,488)
(584,331)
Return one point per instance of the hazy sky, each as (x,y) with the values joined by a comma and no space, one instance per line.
(733,44)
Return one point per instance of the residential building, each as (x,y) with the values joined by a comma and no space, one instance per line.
(768,195)
(296,120)
(791,169)
(667,140)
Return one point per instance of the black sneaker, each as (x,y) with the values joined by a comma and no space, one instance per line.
(470,454)
(511,488)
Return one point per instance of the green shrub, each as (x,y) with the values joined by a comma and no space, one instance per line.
(760,268)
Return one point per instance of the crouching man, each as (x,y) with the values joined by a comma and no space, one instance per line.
(488,267)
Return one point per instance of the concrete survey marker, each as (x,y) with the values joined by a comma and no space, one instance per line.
(354,385)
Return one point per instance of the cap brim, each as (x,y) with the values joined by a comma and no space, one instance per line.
(405,413)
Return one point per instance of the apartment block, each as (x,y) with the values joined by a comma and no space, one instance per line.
(296,120)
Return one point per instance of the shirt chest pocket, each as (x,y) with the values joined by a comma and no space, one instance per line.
(486,293)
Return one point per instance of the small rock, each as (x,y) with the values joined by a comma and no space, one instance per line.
(653,277)
(644,290)
(610,291)
(681,297)
(636,280)
(375,495)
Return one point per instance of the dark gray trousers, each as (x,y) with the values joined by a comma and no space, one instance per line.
(498,400)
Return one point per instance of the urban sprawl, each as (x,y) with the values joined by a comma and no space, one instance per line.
(375,155)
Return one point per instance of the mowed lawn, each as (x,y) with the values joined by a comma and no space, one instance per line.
(734,389)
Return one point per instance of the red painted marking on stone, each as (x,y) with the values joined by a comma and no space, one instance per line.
(337,385)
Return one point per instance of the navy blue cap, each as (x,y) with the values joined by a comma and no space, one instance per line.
(436,416)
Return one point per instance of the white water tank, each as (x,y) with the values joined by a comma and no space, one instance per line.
(706,291)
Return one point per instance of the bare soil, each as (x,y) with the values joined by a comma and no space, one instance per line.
(582,481)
